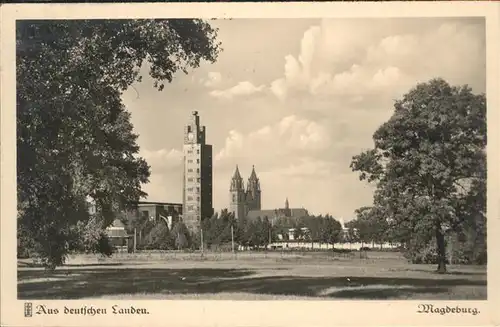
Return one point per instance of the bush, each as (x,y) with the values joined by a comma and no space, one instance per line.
(422,255)
(465,248)
(461,248)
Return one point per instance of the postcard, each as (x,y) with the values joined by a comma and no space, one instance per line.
(250,164)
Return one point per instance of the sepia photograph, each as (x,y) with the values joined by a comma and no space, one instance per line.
(251,159)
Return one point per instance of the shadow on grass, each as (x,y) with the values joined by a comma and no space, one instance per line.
(449,272)
(79,283)
(103,264)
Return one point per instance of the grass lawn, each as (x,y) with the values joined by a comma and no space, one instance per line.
(250,276)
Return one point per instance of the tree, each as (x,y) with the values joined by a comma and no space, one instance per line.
(371,225)
(250,231)
(74,136)
(331,230)
(429,164)
(180,234)
(266,231)
(160,236)
(314,226)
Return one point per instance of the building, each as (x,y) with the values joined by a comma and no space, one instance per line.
(247,203)
(164,212)
(241,202)
(197,186)
(118,235)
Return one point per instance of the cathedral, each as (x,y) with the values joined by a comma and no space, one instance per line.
(247,203)
(241,201)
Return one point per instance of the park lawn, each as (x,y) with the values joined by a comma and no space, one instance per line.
(251,277)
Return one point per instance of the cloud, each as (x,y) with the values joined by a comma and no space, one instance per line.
(279,88)
(213,79)
(343,59)
(307,167)
(241,89)
(290,137)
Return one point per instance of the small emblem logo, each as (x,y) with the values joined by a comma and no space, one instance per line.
(28,309)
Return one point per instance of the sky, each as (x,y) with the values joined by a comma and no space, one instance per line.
(298,98)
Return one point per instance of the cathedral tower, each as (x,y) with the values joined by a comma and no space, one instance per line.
(197,190)
(237,196)
(253,194)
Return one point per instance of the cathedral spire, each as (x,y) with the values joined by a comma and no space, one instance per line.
(236,181)
(287,205)
(253,185)
(237,173)
(253,175)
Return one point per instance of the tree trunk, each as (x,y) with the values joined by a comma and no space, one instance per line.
(441,250)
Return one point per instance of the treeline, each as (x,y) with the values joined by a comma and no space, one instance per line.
(465,244)
(220,231)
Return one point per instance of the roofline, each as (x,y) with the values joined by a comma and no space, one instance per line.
(159,203)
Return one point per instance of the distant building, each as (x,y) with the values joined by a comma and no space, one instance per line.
(247,203)
(197,185)
(241,201)
(117,233)
(156,212)
(168,213)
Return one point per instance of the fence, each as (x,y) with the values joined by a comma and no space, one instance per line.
(297,256)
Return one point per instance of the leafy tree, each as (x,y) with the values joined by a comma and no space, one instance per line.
(180,233)
(224,227)
(259,236)
(209,228)
(74,136)
(331,230)
(429,164)
(314,226)
(160,236)
(371,225)
(195,240)
(266,231)
(250,231)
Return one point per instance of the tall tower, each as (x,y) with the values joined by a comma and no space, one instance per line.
(288,212)
(197,190)
(237,196)
(253,191)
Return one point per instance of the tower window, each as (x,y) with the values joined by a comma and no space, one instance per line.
(190,189)
(190,179)
(197,170)
(190,198)
(197,160)
(198,180)
(190,170)
(198,152)
(190,161)
(234,197)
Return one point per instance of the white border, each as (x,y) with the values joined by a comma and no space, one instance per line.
(233,313)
